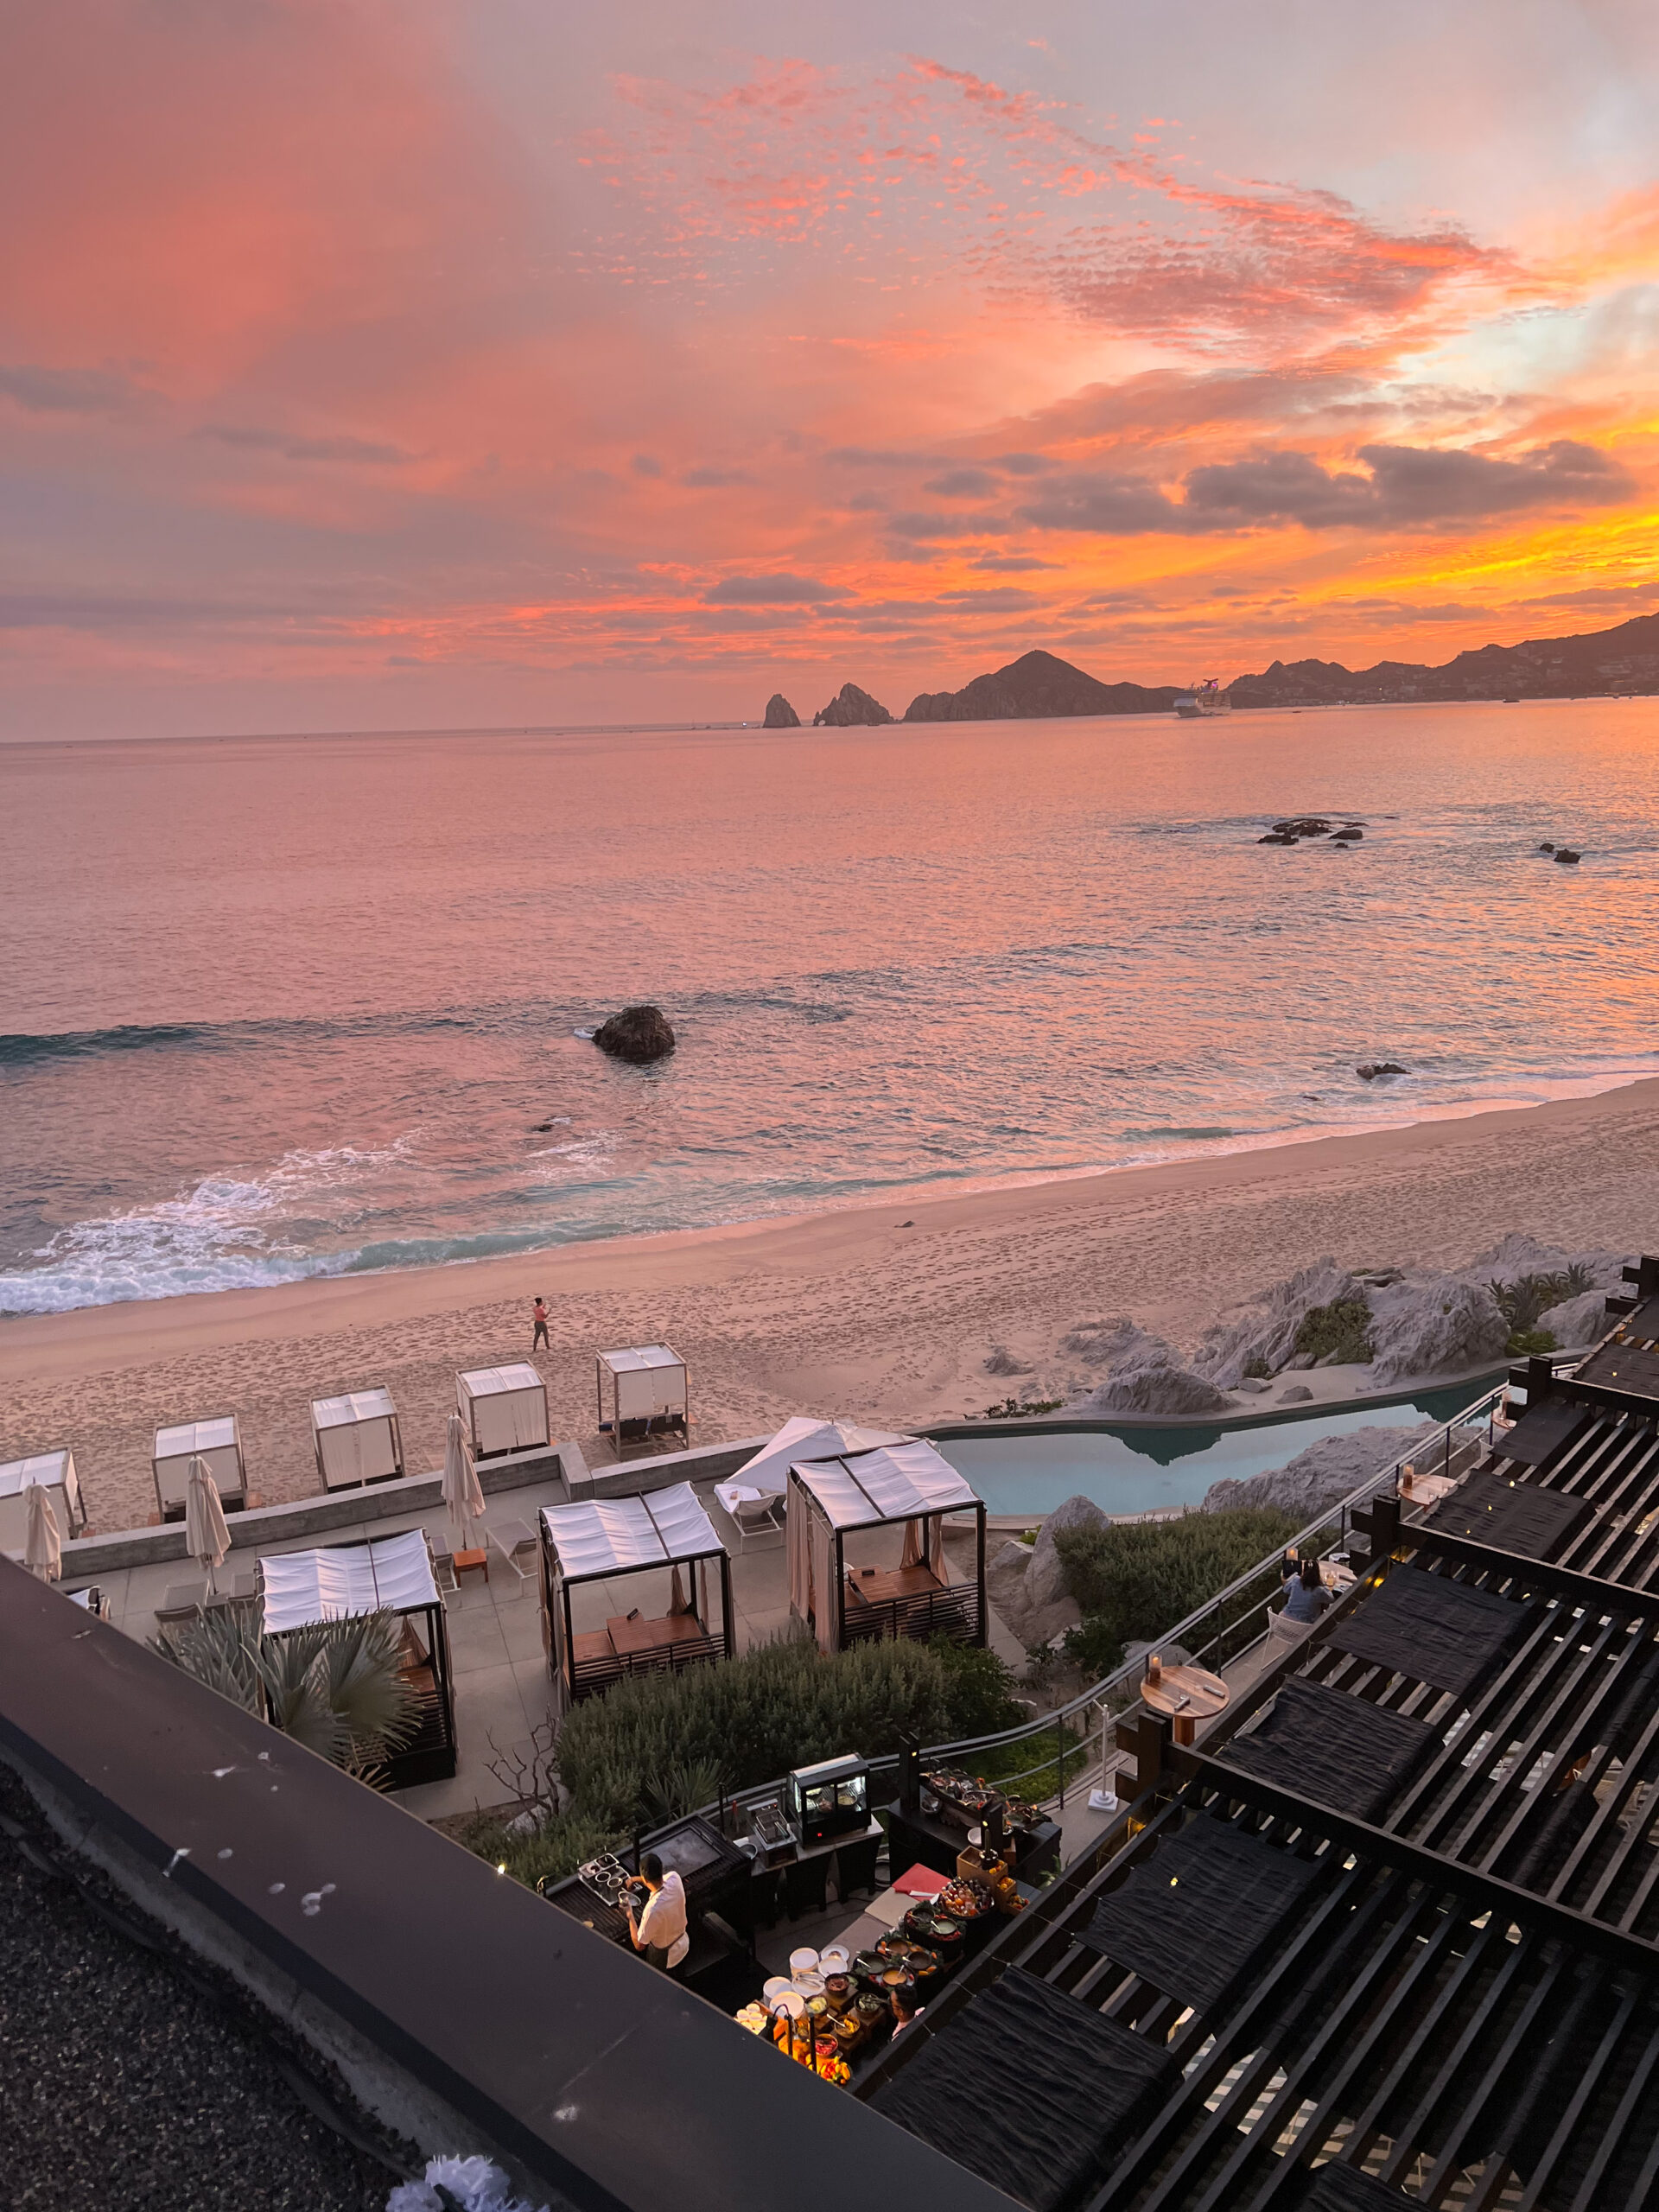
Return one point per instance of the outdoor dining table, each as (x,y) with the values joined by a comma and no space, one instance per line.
(1188,1694)
(881,1589)
(629,1639)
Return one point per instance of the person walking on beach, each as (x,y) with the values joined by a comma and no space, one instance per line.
(538,1315)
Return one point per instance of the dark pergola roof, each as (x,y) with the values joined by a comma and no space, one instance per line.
(1032,2091)
(1395,1917)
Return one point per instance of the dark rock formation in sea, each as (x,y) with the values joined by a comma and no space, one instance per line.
(1566,857)
(780,715)
(1593,663)
(1368,1070)
(851,708)
(1035,686)
(638,1033)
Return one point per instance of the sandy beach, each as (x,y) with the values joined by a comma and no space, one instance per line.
(884,1314)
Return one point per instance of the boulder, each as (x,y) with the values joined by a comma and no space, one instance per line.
(1545,847)
(638,1033)
(1255,1385)
(1576,1321)
(780,715)
(1351,835)
(851,708)
(1566,857)
(1046,1577)
(1264,1333)
(1278,837)
(1014,1597)
(1368,1070)
(1298,1394)
(1433,1324)
(1304,825)
(1323,1475)
(1144,1374)
(1001,1361)
(1518,1254)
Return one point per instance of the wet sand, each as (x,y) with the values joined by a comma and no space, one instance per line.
(883,1313)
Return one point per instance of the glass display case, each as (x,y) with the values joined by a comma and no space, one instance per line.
(831,1799)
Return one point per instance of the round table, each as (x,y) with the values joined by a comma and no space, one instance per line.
(1188,1694)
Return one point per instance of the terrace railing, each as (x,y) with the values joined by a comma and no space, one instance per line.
(1218,1634)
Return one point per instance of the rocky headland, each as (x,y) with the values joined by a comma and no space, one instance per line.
(1621,660)
(1382,1328)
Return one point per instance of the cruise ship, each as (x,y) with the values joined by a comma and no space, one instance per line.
(1206,698)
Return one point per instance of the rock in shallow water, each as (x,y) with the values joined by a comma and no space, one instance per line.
(638,1033)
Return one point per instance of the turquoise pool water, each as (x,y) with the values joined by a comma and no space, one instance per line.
(1130,1470)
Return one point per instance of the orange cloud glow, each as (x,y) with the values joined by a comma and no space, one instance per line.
(362,363)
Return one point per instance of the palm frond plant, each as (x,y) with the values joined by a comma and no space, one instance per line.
(335,1687)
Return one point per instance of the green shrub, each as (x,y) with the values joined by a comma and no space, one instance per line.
(1137,1579)
(1522,1301)
(982,1702)
(782,1705)
(1094,1648)
(1522,1343)
(1340,1332)
(1257,1369)
(552,1854)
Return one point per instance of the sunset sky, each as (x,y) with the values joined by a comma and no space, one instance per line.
(399,365)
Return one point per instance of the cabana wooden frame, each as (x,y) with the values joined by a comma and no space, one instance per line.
(582,1666)
(430,1754)
(955,1610)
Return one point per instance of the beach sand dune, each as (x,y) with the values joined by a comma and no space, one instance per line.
(884,1314)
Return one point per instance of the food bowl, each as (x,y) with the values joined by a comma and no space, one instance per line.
(838,1991)
(869,2007)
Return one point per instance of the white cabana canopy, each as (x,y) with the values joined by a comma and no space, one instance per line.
(392,1572)
(614,1534)
(896,1481)
(353,1406)
(803,1436)
(54,1472)
(218,1442)
(505,1407)
(358,1439)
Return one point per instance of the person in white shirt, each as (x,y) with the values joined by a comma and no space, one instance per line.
(660,1930)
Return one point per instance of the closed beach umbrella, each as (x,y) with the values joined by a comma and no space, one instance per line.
(461,1493)
(205,1536)
(43,1545)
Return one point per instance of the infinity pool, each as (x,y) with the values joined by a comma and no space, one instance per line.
(1131,1470)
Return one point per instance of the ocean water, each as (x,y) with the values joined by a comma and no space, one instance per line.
(285,1007)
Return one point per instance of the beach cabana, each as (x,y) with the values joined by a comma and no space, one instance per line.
(54,1472)
(505,1409)
(754,1495)
(642,1391)
(850,1600)
(604,1541)
(384,1574)
(217,1442)
(358,1439)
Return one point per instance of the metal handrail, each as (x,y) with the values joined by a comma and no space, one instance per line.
(1058,1722)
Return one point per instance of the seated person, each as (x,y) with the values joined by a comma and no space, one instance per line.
(1306,1595)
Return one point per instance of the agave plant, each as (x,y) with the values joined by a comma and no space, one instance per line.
(681,1789)
(336,1686)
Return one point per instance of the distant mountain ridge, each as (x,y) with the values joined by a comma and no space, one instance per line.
(1035,685)
(1039,685)
(1624,658)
